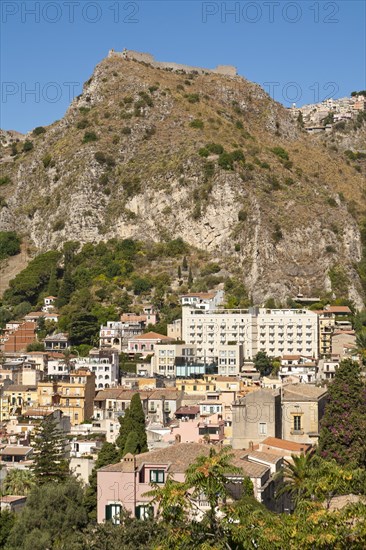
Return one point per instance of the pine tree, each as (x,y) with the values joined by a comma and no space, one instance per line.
(108,454)
(49,463)
(133,421)
(344,422)
(185,263)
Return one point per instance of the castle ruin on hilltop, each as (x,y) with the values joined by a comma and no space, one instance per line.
(227,70)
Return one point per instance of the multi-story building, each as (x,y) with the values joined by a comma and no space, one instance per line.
(208,330)
(164,359)
(326,329)
(20,398)
(292,412)
(287,331)
(105,365)
(145,343)
(115,334)
(17,339)
(303,406)
(174,329)
(57,342)
(275,331)
(73,397)
(113,402)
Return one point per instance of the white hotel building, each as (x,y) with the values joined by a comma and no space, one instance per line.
(276,331)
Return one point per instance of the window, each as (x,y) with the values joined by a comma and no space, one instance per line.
(263,428)
(297,423)
(157,476)
(112,513)
(144,511)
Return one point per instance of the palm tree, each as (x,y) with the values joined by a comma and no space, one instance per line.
(361,345)
(18,482)
(295,477)
(208,476)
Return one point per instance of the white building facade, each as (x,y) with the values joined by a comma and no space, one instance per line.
(276,331)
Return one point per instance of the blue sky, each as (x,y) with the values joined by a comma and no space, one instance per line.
(298,51)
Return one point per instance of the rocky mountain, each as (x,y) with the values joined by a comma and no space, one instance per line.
(157,152)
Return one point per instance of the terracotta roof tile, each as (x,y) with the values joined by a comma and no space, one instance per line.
(285,445)
(152,336)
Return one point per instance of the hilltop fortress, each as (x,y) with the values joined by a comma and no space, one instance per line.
(227,70)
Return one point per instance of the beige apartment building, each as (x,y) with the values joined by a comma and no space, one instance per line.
(74,397)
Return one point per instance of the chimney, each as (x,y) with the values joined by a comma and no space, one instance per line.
(251,446)
(178,438)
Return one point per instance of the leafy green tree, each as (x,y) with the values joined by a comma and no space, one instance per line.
(9,244)
(35,346)
(30,282)
(133,421)
(344,420)
(17,482)
(108,454)
(262,363)
(52,288)
(49,464)
(131,534)
(84,328)
(208,476)
(53,518)
(172,499)
(7,520)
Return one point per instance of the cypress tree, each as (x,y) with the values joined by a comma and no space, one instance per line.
(66,288)
(52,288)
(49,463)
(132,444)
(190,277)
(179,272)
(133,421)
(185,263)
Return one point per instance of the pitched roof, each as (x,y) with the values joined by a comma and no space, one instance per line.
(203,295)
(187,410)
(338,309)
(15,450)
(9,499)
(268,457)
(178,457)
(251,469)
(300,392)
(285,445)
(168,393)
(119,394)
(151,336)
(20,388)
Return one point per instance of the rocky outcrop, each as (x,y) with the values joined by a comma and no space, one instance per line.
(128,160)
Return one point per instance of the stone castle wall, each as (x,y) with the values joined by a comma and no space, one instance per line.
(227,70)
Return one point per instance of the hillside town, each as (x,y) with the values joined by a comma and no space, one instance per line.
(322,116)
(253,379)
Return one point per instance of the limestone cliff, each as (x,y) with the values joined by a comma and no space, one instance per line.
(156,153)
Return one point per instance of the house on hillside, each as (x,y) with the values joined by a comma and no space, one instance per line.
(124,485)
